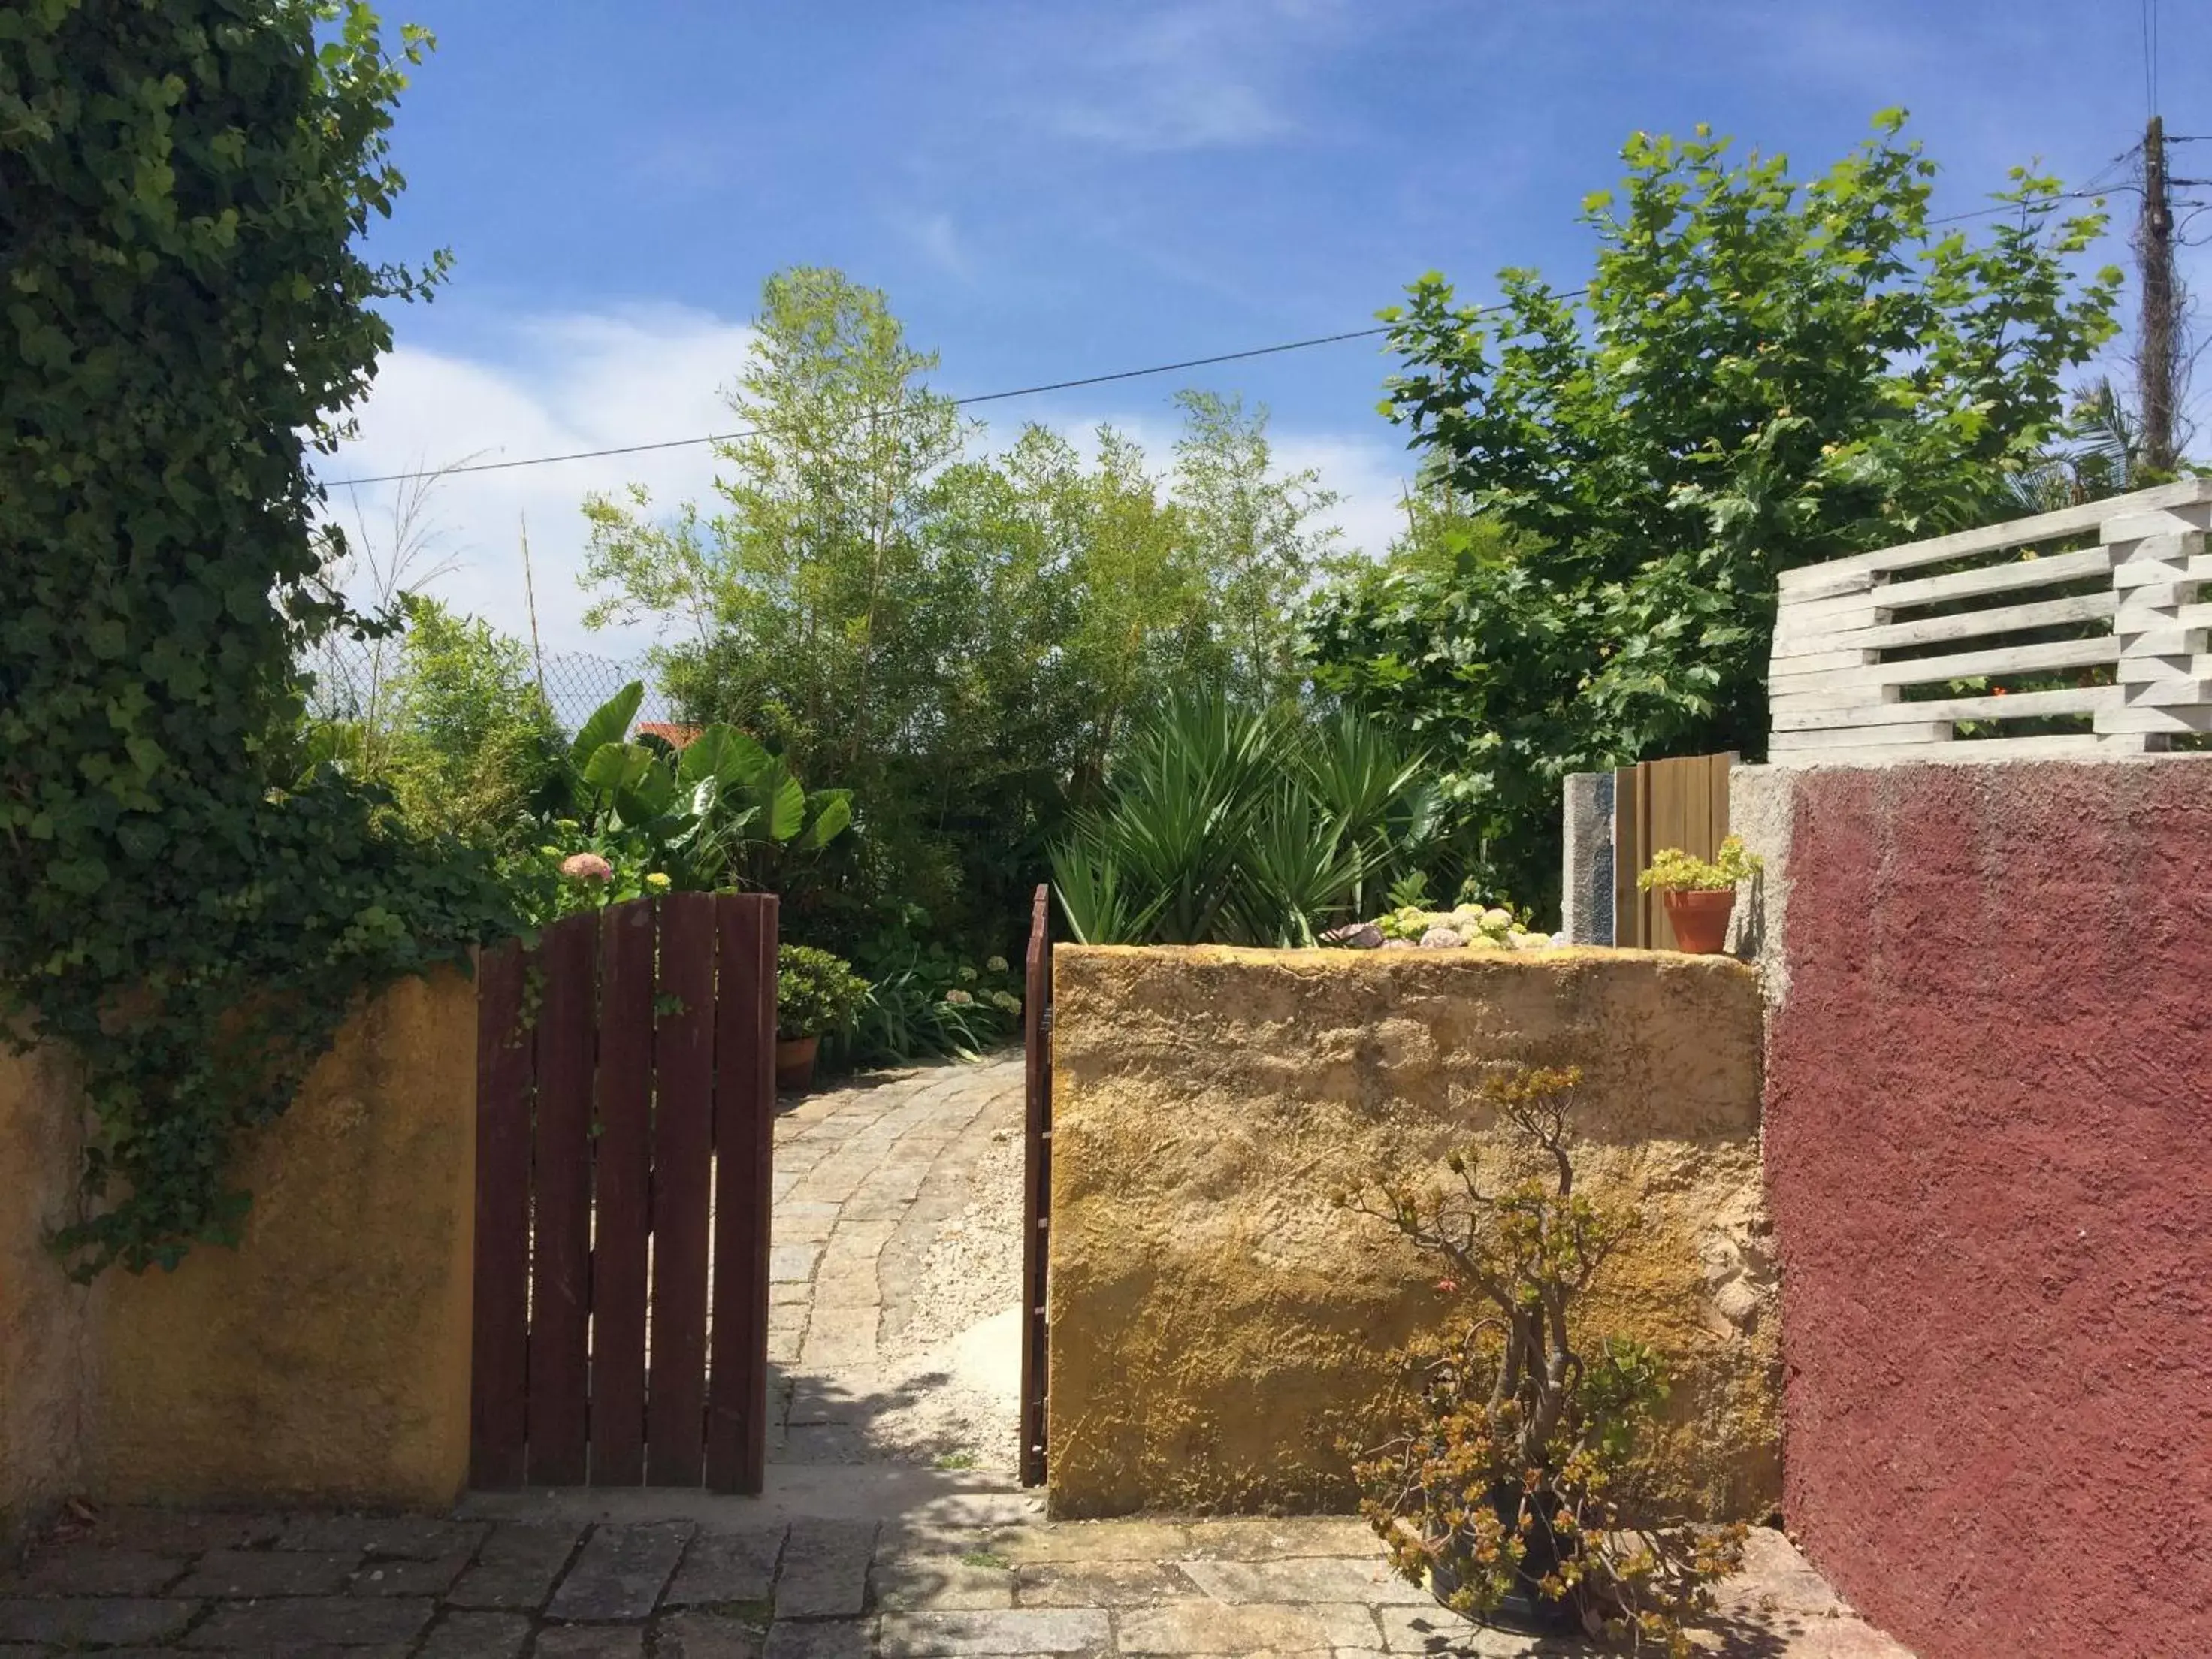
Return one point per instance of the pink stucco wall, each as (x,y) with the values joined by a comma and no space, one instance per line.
(1988,1142)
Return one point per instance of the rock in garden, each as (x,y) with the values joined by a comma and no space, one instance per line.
(1355,936)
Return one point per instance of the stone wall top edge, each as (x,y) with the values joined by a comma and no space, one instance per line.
(1939,754)
(1390,962)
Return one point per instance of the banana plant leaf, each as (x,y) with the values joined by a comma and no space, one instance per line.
(608,723)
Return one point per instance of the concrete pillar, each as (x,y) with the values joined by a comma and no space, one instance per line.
(1586,877)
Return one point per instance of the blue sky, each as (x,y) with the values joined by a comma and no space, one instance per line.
(1054,189)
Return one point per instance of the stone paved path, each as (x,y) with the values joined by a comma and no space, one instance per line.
(730,1581)
(891,1528)
(894,1327)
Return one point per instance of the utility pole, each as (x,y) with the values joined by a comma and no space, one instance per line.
(2157,342)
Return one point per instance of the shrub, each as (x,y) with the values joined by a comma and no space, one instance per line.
(923,1002)
(816,995)
(1508,1487)
(1242,824)
(183,189)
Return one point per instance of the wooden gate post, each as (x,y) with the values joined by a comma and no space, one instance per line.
(1036,1186)
(744,1143)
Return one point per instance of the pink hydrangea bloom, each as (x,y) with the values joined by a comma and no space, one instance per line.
(587,866)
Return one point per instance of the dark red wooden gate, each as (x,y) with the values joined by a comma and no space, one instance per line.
(625,1110)
(1037,1188)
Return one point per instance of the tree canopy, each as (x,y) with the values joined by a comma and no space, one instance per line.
(1761,371)
(960,636)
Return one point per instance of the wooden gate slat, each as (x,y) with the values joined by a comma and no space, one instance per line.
(744,1114)
(1036,1185)
(622,1153)
(560,1302)
(499,1348)
(1627,856)
(683,1150)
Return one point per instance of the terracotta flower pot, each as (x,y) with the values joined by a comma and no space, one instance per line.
(794,1062)
(1699,919)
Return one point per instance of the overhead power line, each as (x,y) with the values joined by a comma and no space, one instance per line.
(958,402)
(1078,382)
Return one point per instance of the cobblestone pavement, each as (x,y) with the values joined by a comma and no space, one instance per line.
(894,1327)
(891,1528)
(737,1585)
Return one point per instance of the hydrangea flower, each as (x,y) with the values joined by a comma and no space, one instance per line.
(1006,1000)
(967,975)
(587,866)
(958,997)
(658,882)
(997,964)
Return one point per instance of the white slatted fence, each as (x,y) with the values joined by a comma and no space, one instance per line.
(1839,675)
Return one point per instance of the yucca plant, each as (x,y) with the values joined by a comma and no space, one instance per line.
(1100,903)
(1182,797)
(1299,863)
(1388,813)
(1228,823)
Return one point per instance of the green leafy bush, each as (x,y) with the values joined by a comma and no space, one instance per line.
(187,312)
(1671,868)
(923,1002)
(458,732)
(960,634)
(718,814)
(1512,1482)
(816,995)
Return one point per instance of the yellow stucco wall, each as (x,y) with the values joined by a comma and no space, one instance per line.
(41,1313)
(1219,1329)
(326,1359)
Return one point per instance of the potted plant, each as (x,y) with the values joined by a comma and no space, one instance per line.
(816,995)
(1700,897)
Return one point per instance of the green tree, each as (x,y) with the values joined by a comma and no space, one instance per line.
(810,581)
(182,183)
(1762,373)
(1253,535)
(811,612)
(959,640)
(471,741)
(1082,600)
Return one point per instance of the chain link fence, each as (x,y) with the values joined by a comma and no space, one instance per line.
(356,679)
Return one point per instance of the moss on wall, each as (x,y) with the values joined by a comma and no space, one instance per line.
(1221,1334)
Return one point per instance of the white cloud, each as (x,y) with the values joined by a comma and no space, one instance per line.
(549,385)
(1369,474)
(937,240)
(556,384)
(1195,74)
